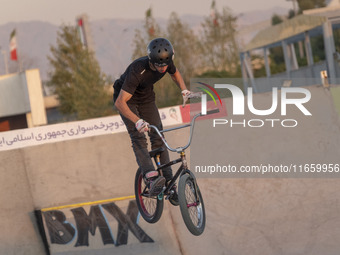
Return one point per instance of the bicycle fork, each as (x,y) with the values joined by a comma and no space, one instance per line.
(186,170)
(181,170)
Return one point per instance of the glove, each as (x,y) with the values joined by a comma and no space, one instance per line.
(188,94)
(142,126)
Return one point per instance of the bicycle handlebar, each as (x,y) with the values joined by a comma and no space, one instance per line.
(191,125)
(213,111)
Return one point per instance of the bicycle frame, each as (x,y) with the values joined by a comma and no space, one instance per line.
(181,150)
(191,125)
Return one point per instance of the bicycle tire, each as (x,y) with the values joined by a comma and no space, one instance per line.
(151,208)
(193,213)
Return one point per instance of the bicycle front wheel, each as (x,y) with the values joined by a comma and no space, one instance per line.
(191,205)
(151,208)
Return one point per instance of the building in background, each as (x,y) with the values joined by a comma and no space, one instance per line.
(21,101)
(320,22)
(24,102)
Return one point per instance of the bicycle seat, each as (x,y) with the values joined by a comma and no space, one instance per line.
(154,152)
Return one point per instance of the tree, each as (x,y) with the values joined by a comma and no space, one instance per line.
(165,89)
(186,45)
(141,39)
(76,78)
(214,49)
(276,19)
(218,40)
(291,14)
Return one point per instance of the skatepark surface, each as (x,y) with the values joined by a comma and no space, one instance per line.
(246,214)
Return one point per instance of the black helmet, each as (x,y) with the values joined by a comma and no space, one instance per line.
(160,52)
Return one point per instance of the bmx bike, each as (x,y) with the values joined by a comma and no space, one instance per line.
(190,199)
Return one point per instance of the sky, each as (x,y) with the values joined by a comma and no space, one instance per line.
(64,11)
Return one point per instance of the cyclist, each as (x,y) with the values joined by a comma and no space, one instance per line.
(135,100)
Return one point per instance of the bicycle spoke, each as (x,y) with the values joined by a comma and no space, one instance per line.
(150,207)
(148,204)
(192,204)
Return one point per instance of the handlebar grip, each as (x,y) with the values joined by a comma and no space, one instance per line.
(213,111)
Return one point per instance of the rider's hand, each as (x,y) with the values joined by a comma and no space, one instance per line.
(186,95)
(142,126)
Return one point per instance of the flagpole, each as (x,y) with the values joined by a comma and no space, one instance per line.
(14,49)
(20,64)
(18,53)
(5,60)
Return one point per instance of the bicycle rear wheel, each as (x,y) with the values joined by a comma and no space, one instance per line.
(191,204)
(151,208)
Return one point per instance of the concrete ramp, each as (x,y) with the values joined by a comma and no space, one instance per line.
(262,215)
(19,232)
(108,228)
(266,216)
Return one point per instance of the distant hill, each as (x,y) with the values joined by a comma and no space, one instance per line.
(112,39)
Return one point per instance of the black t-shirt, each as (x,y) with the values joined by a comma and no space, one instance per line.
(138,80)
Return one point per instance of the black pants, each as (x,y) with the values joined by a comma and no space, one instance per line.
(150,114)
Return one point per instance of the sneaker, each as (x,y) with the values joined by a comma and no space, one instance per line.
(154,183)
(173,199)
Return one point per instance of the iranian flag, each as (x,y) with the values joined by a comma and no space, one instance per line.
(13,46)
(213,13)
